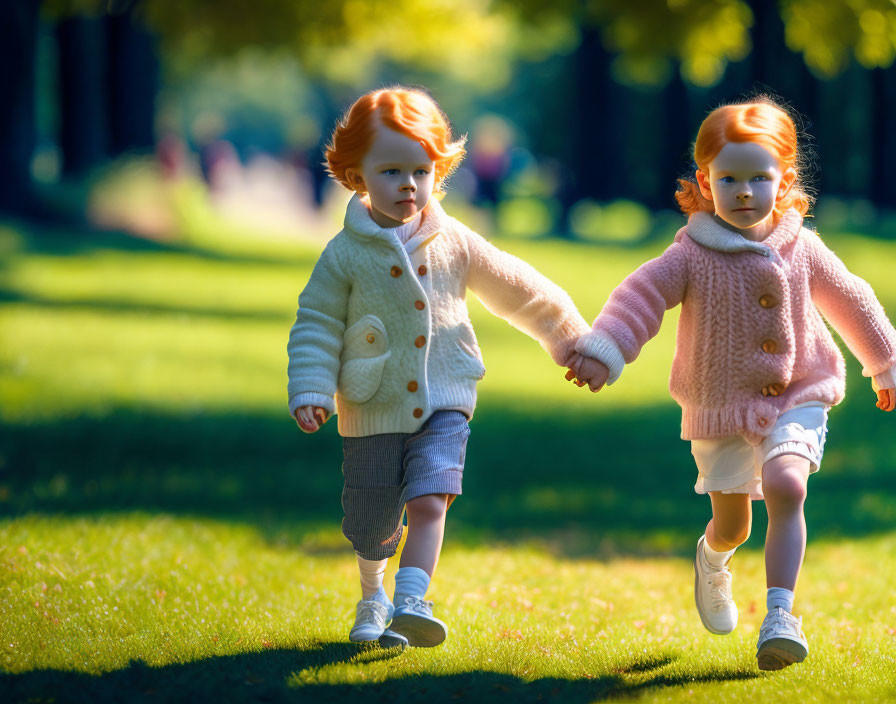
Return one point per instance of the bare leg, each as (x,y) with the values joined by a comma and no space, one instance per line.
(784,485)
(426,529)
(731,521)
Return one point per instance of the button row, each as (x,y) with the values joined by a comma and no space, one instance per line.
(397,271)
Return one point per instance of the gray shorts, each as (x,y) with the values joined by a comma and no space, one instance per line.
(383,472)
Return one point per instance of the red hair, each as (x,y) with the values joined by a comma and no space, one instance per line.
(761,121)
(409,112)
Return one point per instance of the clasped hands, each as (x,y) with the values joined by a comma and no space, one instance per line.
(586,370)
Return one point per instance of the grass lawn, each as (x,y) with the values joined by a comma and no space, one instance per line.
(167,534)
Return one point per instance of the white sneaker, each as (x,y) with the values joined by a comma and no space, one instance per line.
(712,592)
(413,619)
(371,619)
(781,640)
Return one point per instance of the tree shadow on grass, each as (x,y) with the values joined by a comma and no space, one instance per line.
(299,676)
(11,296)
(79,239)
(601,484)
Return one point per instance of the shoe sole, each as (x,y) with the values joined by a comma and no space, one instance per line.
(420,632)
(355,639)
(778,653)
(700,613)
(392,640)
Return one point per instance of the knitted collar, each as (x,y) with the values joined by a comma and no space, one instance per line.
(706,230)
(358,221)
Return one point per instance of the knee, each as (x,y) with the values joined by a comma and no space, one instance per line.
(427,509)
(732,534)
(784,483)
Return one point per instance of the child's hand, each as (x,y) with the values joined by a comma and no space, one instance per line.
(586,370)
(886,399)
(311,418)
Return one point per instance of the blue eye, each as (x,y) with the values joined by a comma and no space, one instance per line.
(760,177)
(727,179)
(390,172)
(421,172)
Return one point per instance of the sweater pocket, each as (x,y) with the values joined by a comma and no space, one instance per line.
(365,350)
(470,364)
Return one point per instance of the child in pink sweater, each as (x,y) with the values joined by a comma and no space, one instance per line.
(755,368)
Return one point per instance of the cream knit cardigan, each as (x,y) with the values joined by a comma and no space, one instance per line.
(385,329)
(751,340)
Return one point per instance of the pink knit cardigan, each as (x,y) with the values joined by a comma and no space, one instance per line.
(751,343)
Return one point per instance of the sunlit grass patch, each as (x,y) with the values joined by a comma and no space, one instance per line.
(177,594)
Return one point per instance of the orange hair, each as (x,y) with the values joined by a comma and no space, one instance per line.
(761,121)
(409,112)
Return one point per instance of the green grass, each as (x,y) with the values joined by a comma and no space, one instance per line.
(166,533)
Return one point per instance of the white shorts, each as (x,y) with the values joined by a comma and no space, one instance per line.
(734,466)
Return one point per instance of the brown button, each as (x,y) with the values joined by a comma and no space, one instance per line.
(418,412)
(769,346)
(765,391)
(767,301)
(419,305)
(371,339)
(422,270)
(412,386)
(776,389)
(420,341)
(395,271)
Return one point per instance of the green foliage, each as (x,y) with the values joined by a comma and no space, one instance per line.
(477,42)
(526,216)
(649,35)
(622,221)
(829,34)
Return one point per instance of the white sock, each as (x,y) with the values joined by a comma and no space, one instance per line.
(715,558)
(372,572)
(778,596)
(411,581)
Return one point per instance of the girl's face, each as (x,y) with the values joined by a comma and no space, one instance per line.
(745,182)
(398,176)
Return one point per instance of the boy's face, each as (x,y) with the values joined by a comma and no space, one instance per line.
(398,176)
(744,183)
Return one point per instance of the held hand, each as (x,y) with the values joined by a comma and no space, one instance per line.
(311,418)
(886,399)
(586,370)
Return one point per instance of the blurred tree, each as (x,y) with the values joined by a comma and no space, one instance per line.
(132,82)
(681,44)
(83,125)
(18,42)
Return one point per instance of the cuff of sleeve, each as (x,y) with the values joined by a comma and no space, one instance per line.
(885,380)
(312,398)
(604,349)
(562,339)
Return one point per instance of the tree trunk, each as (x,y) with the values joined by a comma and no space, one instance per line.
(595,122)
(82,100)
(132,80)
(883,140)
(18,52)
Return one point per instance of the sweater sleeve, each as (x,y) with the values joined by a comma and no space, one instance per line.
(634,312)
(512,289)
(850,306)
(315,340)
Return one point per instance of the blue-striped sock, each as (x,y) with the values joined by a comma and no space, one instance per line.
(778,596)
(411,581)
